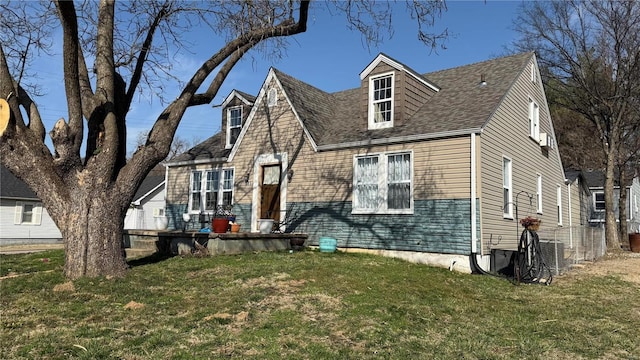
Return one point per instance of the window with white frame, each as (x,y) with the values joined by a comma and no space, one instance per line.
(507,192)
(598,201)
(539,194)
(158,212)
(272,97)
(28,213)
(534,120)
(234,122)
(559,204)
(382,183)
(381,101)
(210,189)
(534,78)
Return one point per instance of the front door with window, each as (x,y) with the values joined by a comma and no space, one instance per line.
(270,190)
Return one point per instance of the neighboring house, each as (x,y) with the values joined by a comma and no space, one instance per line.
(148,204)
(23,220)
(580,198)
(595,179)
(433,168)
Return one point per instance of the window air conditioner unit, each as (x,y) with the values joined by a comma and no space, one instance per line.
(546,140)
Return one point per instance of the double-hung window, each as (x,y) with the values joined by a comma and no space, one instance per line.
(383,183)
(598,201)
(534,120)
(210,189)
(381,101)
(539,194)
(507,192)
(234,121)
(28,213)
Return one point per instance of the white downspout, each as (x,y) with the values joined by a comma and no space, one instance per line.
(570,217)
(474,228)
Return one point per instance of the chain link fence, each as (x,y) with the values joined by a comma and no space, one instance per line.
(563,247)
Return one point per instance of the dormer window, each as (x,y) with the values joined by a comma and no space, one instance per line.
(234,118)
(381,101)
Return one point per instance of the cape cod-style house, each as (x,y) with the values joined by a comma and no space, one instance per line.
(433,168)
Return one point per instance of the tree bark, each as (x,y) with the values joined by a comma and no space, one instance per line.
(611,226)
(92,233)
(623,235)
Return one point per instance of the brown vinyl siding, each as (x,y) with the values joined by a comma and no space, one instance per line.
(441,167)
(178,178)
(507,134)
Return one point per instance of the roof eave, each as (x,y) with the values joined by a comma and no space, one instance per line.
(400,139)
(196,162)
(138,201)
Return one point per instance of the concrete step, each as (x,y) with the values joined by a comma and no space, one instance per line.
(149,244)
(138,253)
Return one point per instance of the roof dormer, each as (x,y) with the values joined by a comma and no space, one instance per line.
(235,109)
(394,92)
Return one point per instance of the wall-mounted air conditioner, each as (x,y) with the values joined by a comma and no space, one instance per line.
(546,140)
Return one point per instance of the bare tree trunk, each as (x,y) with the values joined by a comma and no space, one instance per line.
(611,228)
(93,237)
(622,206)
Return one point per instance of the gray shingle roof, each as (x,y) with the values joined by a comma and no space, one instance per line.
(336,118)
(149,183)
(12,187)
(250,98)
(212,148)
(596,178)
(461,103)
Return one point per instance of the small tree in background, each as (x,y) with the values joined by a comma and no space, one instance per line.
(591,53)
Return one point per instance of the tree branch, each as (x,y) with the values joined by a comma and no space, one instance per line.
(207,97)
(8,91)
(142,57)
(159,140)
(71,49)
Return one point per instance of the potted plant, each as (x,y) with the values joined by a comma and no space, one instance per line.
(531,223)
(634,242)
(220,222)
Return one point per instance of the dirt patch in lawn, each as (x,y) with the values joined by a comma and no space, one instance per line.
(624,264)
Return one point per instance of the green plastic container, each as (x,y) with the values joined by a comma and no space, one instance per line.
(328,244)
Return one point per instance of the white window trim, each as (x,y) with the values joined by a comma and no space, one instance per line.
(539,194)
(272,97)
(229,127)
(158,212)
(507,211)
(385,124)
(559,204)
(383,184)
(534,77)
(534,119)
(594,201)
(203,189)
(36,214)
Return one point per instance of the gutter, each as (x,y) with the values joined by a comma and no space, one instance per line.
(399,139)
(195,162)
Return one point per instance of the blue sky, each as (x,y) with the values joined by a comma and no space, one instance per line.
(328,56)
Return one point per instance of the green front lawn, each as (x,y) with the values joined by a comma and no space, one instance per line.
(308,305)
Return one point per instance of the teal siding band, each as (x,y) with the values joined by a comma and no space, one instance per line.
(174,214)
(437,226)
